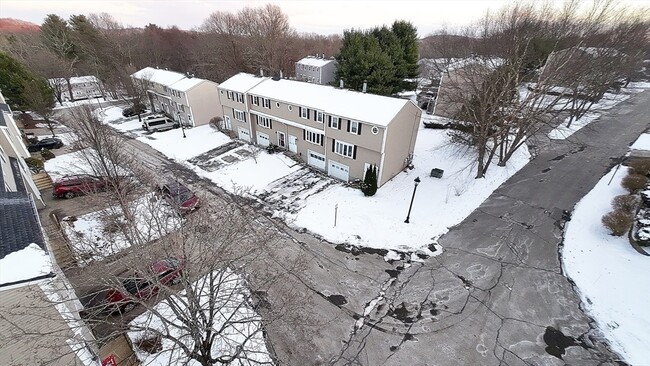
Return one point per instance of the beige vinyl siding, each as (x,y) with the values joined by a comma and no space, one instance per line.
(204,102)
(358,162)
(37,333)
(400,141)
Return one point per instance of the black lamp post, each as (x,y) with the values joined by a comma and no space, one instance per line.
(181,122)
(416,181)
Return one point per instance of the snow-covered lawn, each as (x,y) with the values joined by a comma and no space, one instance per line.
(174,146)
(611,276)
(66,164)
(251,175)
(608,101)
(438,205)
(233,323)
(76,103)
(96,235)
(642,143)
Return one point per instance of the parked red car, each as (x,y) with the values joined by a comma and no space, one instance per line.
(180,197)
(167,271)
(76,185)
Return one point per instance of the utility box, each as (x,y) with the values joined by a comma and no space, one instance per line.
(436,173)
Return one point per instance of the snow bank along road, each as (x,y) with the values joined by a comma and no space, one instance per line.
(496,294)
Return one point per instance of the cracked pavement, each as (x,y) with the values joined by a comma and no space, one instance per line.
(498,287)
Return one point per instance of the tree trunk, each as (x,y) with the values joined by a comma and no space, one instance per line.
(70,89)
(50,125)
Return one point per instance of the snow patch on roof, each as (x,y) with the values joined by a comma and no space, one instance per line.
(374,109)
(314,61)
(241,82)
(164,77)
(30,262)
(75,80)
(186,84)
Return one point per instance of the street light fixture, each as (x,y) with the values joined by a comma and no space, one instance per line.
(416,181)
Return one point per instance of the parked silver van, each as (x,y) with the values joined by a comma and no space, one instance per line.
(157,123)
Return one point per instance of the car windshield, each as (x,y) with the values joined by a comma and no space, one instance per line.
(133,285)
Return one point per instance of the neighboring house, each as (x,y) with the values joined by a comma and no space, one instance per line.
(584,70)
(459,80)
(39,320)
(16,176)
(82,87)
(188,100)
(341,132)
(315,69)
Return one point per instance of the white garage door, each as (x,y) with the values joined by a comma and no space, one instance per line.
(263,139)
(244,134)
(316,160)
(339,171)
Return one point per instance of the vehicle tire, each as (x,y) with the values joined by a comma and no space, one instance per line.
(128,307)
(154,130)
(69,195)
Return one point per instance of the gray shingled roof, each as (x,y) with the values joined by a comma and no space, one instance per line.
(19,225)
(3,121)
(5,107)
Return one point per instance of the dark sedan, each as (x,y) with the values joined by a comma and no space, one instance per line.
(46,143)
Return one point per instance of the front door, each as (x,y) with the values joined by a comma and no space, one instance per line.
(227,125)
(293,144)
(281,140)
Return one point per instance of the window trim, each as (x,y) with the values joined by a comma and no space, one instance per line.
(344,149)
(264,122)
(321,115)
(304,111)
(314,137)
(256,100)
(236,112)
(355,130)
(231,95)
(335,125)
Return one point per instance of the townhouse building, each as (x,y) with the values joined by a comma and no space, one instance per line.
(40,322)
(80,87)
(338,131)
(188,100)
(16,176)
(315,69)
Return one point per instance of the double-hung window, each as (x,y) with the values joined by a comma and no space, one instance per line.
(240,98)
(304,113)
(335,122)
(230,95)
(344,149)
(256,100)
(319,117)
(239,115)
(354,127)
(314,138)
(263,122)
(266,103)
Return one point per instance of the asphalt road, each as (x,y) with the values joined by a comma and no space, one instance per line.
(496,295)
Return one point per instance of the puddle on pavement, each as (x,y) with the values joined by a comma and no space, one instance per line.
(337,300)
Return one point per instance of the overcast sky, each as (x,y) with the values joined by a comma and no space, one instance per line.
(324,17)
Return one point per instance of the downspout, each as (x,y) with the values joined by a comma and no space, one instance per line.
(383,155)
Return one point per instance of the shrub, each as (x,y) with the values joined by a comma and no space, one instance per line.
(47,154)
(634,182)
(34,164)
(618,222)
(272,149)
(640,166)
(369,185)
(625,203)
